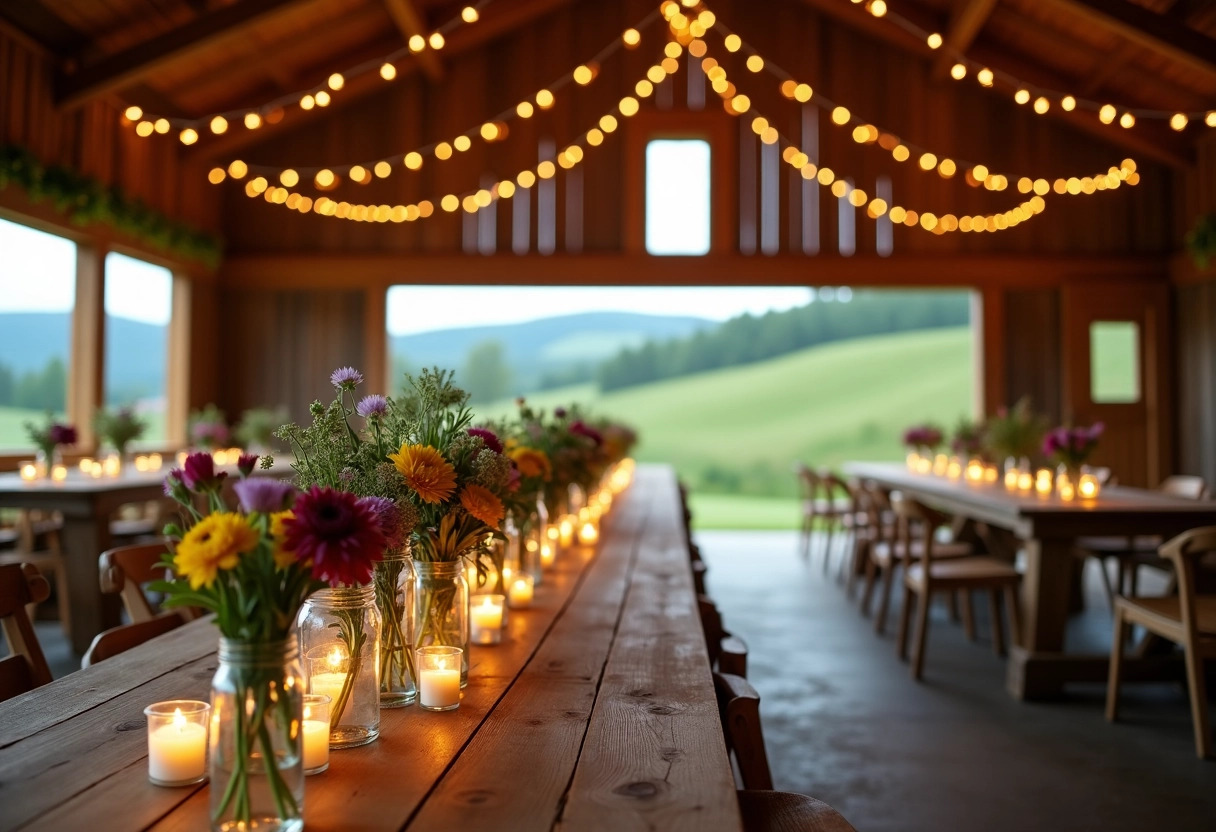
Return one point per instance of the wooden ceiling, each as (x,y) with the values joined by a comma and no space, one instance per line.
(190,58)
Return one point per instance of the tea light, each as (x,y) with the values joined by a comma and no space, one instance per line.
(112,466)
(588,534)
(438,677)
(975,471)
(86,464)
(924,465)
(29,472)
(327,672)
(1011,479)
(552,533)
(1065,488)
(59,473)
(519,596)
(1025,481)
(141,463)
(941,463)
(181,458)
(954,468)
(991,474)
(315,730)
(1088,486)
(913,460)
(566,530)
(1042,483)
(487,619)
(177,742)
(548,556)
(95,470)
(220,456)
(155,462)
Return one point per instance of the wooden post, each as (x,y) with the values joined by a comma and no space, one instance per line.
(86,361)
(179,375)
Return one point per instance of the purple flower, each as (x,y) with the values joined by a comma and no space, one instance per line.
(489,437)
(264,495)
(175,486)
(62,434)
(245,464)
(209,434)
(346,378)
(374,405)
(581,428)
(336,533)
(389,516)
(199,473)
(559,412)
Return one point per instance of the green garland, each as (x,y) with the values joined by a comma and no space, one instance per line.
(86,200)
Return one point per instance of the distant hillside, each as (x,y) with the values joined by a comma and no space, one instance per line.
(550,345)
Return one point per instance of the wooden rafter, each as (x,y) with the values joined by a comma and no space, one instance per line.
(965,24)
(1156,32)
(123,69)
(410,23)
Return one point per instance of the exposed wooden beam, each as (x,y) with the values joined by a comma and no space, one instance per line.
(38,28)
(1110,63)
(1156,32)
(965,24)
(857,18)
(123,69)
(498,19)
(409,23)
(379,271)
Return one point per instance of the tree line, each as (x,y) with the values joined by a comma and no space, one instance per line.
(44,389)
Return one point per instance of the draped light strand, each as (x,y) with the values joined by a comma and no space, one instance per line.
(974,174)
(496,128)
(1044,98)
(189,130)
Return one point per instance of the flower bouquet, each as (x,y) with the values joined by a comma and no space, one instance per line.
(47,438)
(332,453)
(1016,432)
(208,428)
(254,568)
(1069,447)
(923,438)
(119,427)
(968,440)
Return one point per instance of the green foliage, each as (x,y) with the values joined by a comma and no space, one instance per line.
(748,339)
(119,427)
(86,200)
(1201,240)
(486,375)
(1016,431)
(45,389)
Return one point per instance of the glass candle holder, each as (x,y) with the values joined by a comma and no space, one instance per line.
(588,534)
(177,742)
(941,463)
(85,464)
(315,728)
(438,677)
(59,472)
(486,621)
(548,555)
(29,472)
(1043,483)
(519,593)
(1088,487)
(954,468)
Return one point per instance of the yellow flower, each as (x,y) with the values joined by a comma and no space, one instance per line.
(426,472)
(482,504)
(283,557)
(531,462)
(216,542)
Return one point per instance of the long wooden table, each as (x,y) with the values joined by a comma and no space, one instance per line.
(1047,529)
(597,712)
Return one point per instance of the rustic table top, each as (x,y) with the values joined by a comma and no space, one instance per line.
(596,712)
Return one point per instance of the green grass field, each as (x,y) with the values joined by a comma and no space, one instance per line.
(13,419)
(738,431)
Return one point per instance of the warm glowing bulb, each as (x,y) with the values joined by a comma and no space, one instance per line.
(583,75)
(755,63)
(526,179)
(161,125)
(878,7)
(322,98)
(546,170)
(732,43)
(324,178)
(901,153)
(443,151)
(1021,96)
(928,161)
(1107,114)
(388,72)
(462,143)
(289,178)
(1127,120)
(544,99)
(1068,103)
(1210,118)
(947,168)
(841,115)
(628,106)
(934,40)
(188,136)
(1041,105)
(237,169)
(608,123)
(416,43)
(489,131)
(382,169)
(307,102)
(336,81)
(144,129)
(958,72)
(450,203)
(133,113)
(216,176)
(524,109)
(435,40)
(802,93)
(740,104)
(219,124)
(631,37)
(979,173)
(469,14)
(1178,121)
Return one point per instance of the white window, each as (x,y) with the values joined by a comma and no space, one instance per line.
(139,303)
(677,196)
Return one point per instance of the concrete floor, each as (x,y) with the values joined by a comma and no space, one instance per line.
(845,722)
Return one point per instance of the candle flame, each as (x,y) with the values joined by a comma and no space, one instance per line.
(179,721)
(443,664)
(308,711)
(335,657)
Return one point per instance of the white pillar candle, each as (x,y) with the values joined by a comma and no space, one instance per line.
(177,742)
(316,744)
(327,684)
(547,555)
(566,530)
(487,619)
(438,677)
(520,592)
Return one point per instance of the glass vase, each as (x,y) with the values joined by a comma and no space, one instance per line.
(340,643)
(441,604)
(256,760)
(394,583)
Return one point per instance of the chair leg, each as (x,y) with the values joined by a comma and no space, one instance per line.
(867,591)
(922,632)
(1197,687)
(952,605)
(968,613)
(808,526)
(855,562)
(1014,603)
(1106,584)
(827,546)
(1134,580)
(1116,667)
(884,603)
(62,600)
(905,616)
(998,623)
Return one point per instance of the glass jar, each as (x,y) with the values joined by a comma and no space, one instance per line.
(394,583)
(340,642)
(441,604)
(257,698)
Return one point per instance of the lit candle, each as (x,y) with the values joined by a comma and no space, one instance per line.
(438,677)
(487,619)
(547,555)
(112,465)
(59,473)
(913,460)
(588,534)
(1088,487)
(220,456)
(991,474)
(315,730)
(328,674)
(29,472)
(86,464)
(177,742)
(1011,479)
(552,533)
(141,463)
(924,465)
(567,530)
(975,471)
(954,468)
(95,470)
(155,462)
(181,458)
(1042,483)
(1025,481)
(941,463)
(520,593)
(1066,489)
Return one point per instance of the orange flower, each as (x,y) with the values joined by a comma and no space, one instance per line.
(283,558)
(482,504)
(425,471)
(531,462)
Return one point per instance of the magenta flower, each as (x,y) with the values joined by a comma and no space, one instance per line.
(264,495)
(559,412)
(389,516)
(336,533)
(923,436)
(346,378)
(245,464)
(62,434)
(489,437)
(199,473)
(209,434)
(374,405)
(581,428)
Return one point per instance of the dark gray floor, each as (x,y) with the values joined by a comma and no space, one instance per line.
(845,722)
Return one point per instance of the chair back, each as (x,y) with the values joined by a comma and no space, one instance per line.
(1185,486)
(739,708)
(26,668)
(917,520)
(808,481)
(125,569)
(122,638)
(1185,551)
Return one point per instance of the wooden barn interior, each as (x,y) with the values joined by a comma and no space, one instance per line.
(284,235)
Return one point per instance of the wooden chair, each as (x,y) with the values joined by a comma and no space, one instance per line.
(1188,619)
(37,542)
(26,668)
(837,506)
(122,638)
(125,569)
(933,574)
(727,653)
(788,812)
(808,487)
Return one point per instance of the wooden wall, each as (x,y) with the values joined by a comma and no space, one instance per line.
(1196,332)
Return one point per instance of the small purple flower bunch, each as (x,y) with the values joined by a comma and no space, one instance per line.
(50,435)
(923,437)
(1070,446)
(209,428)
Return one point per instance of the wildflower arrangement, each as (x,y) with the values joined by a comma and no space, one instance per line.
(1071,446)
(619,440)
(119,427)
(208,428)
(968,439)
(925,438)
(257,426)
(254,567)
(1016,431)
(50,435)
